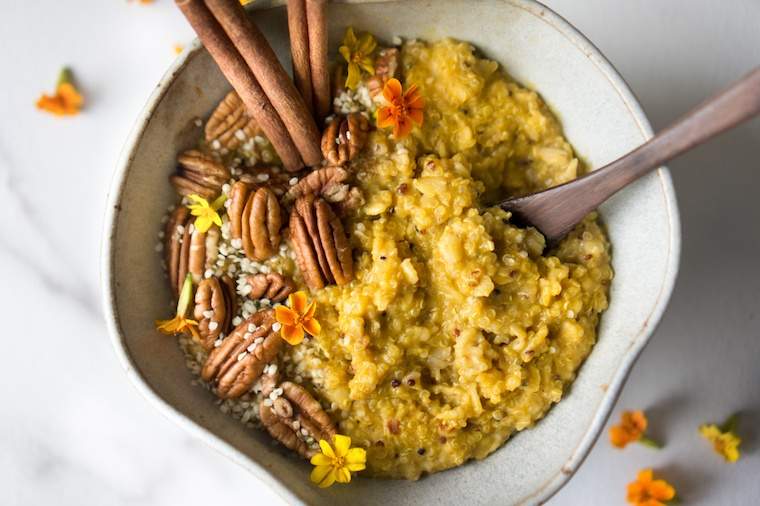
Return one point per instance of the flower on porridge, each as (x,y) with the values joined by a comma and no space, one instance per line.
(337,462)
(358,54)
(297,318)
(631,429)
(206,214)
(724,439)
(67,100)
(404,108)
(180,323)
(646,491)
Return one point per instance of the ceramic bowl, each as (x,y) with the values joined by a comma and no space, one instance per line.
(602,120)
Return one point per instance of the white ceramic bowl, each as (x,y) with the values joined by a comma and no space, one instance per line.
(602,120)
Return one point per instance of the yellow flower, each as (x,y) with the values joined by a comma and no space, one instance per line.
(724,439)
(631,429)
(205,213)
(646,491)
(358,54)
(297,318)
(180,323)
(67,101)
(178,48)
(404,108)
(336,464)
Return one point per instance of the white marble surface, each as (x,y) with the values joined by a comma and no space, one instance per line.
(74,432)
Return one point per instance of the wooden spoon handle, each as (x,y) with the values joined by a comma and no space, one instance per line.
(737,103)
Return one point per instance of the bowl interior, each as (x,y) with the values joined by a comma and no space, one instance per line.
(600,118)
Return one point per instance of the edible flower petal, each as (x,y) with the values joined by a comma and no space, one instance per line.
(631,429)
(206,214)
(297,318)
(67,100)
(337,462)
(724,440)
(404,108)
(180,323)
(646,491)
(358,54)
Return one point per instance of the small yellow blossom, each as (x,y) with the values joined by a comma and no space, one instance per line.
(180,323)
(724,439)
(206,214)
(358,55)
(297,318)
(67,100)
(646,491)
(337,462)
(178,48)
(631,429)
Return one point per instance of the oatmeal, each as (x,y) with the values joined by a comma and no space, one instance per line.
(443,328)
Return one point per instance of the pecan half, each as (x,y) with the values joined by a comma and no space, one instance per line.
(229,117)
(344,137)
(255,219)
(296,410)
(322,251)
(272,286)
(199,174)
(328,182)
(273,177)
(214,308)
(188,249)
(386,66)
(236,365)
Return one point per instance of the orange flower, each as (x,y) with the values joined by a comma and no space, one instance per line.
(631,429)
(646,491)
(297,318)
(67,101)
(180,323)
(404,108)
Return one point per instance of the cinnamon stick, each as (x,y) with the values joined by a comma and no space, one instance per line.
(258,54)
(316,22)
(242,80)
(299,50)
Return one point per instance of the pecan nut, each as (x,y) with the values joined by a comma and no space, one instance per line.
(199,174)
(294,416)
(214,308)
(328,182)
(188,249)
(230,124)
(344,138)
(323,253)
(386,66)
(240,359)
(255,219)
(273,177)
(272,286)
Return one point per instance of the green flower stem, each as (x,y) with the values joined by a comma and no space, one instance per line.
(730,424)
(65,76)
(650,443)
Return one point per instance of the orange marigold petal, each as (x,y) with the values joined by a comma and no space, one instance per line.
(297,302)
(416,116)
(619,437)
(662,490)
(292,334)
(403,128)
(285,316)
(392,90)
(310,310)
(385,117)
(312,326)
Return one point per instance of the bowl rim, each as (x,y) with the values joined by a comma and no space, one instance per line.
(113,208)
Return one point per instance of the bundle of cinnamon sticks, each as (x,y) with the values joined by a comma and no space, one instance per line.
(250,65)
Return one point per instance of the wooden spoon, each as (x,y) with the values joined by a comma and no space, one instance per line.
(554,212)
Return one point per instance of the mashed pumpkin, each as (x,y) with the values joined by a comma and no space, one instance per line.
(459,328)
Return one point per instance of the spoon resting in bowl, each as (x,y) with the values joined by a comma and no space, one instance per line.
(555,211)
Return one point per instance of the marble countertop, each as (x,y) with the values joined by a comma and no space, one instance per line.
(73,431)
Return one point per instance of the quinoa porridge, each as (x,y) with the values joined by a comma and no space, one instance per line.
(434,327)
